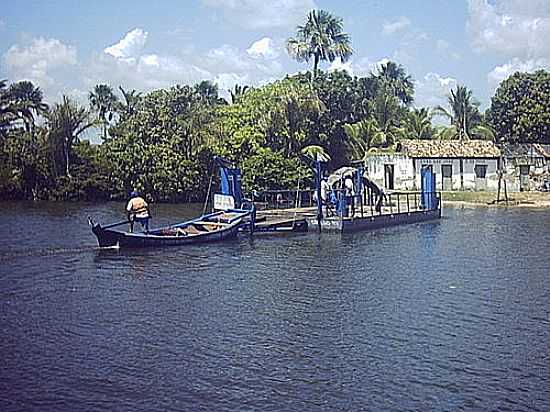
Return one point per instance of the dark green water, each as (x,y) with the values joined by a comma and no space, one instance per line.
(449,315)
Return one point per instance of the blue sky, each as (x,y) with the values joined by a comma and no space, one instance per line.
(67,47)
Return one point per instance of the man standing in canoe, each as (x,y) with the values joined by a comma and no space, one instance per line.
(138,210)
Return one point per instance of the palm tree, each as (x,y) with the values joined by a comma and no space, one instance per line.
(362,136)
(463,113)
(395,80)
(237,92)
(293,107)
(320,39)
(207,92)
(388,114)
(66,121)
(20,101)
(131,101)
(484,131)
(103,101)
(315,153)
(419,124)
(7,111)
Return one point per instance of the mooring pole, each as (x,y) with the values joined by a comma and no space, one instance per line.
(318,191)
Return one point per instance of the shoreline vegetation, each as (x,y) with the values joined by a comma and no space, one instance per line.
(162,142)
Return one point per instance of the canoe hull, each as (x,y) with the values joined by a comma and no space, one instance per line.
(115,238)
(208,228)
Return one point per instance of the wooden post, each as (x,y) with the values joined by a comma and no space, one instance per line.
(398,204)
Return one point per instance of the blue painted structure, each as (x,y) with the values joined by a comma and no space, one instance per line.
(230,181)
(427,183)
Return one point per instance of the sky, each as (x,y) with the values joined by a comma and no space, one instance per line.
(69,46)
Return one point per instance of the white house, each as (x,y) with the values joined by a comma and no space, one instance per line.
(458,164)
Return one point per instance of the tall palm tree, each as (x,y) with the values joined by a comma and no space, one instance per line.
(321,39)
(103,101)
(66,121)
(419,124)
(463,113)
(396,81)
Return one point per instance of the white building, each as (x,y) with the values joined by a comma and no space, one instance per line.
(458,165)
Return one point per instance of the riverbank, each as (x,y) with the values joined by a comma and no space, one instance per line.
(488,199)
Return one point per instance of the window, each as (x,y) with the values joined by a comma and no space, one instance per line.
(447,170)
(481,171)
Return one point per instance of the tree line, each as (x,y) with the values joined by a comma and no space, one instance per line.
(163,142)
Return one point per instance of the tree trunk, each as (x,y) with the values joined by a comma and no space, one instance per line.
(315,65)
(67,156)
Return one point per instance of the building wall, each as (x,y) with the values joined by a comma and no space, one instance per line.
(468,180)
(537,169)
(403,170)
(407,172)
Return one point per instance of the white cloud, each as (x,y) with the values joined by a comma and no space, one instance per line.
(150,60)
(375,67)
(225,65)
(145,73)
(337,64)
(500,73)
(130,46)
(226,82)
(510,27)
(228,57)
(264,47)
(54,66)
(361,67)
(391,27)
(257,14)
(433,89)
(36,61)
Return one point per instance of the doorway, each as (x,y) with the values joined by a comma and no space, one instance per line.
(524,178)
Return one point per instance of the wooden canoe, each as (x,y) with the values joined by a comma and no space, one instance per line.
(213,227)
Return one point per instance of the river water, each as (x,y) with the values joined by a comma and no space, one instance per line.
(448,315)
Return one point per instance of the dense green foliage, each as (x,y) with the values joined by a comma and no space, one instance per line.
(520,108)
(163,142)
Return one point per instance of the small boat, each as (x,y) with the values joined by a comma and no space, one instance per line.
(212,227)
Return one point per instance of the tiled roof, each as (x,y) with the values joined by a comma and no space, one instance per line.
(527,150)
(449,148)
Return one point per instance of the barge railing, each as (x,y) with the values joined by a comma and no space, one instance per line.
(367,204)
